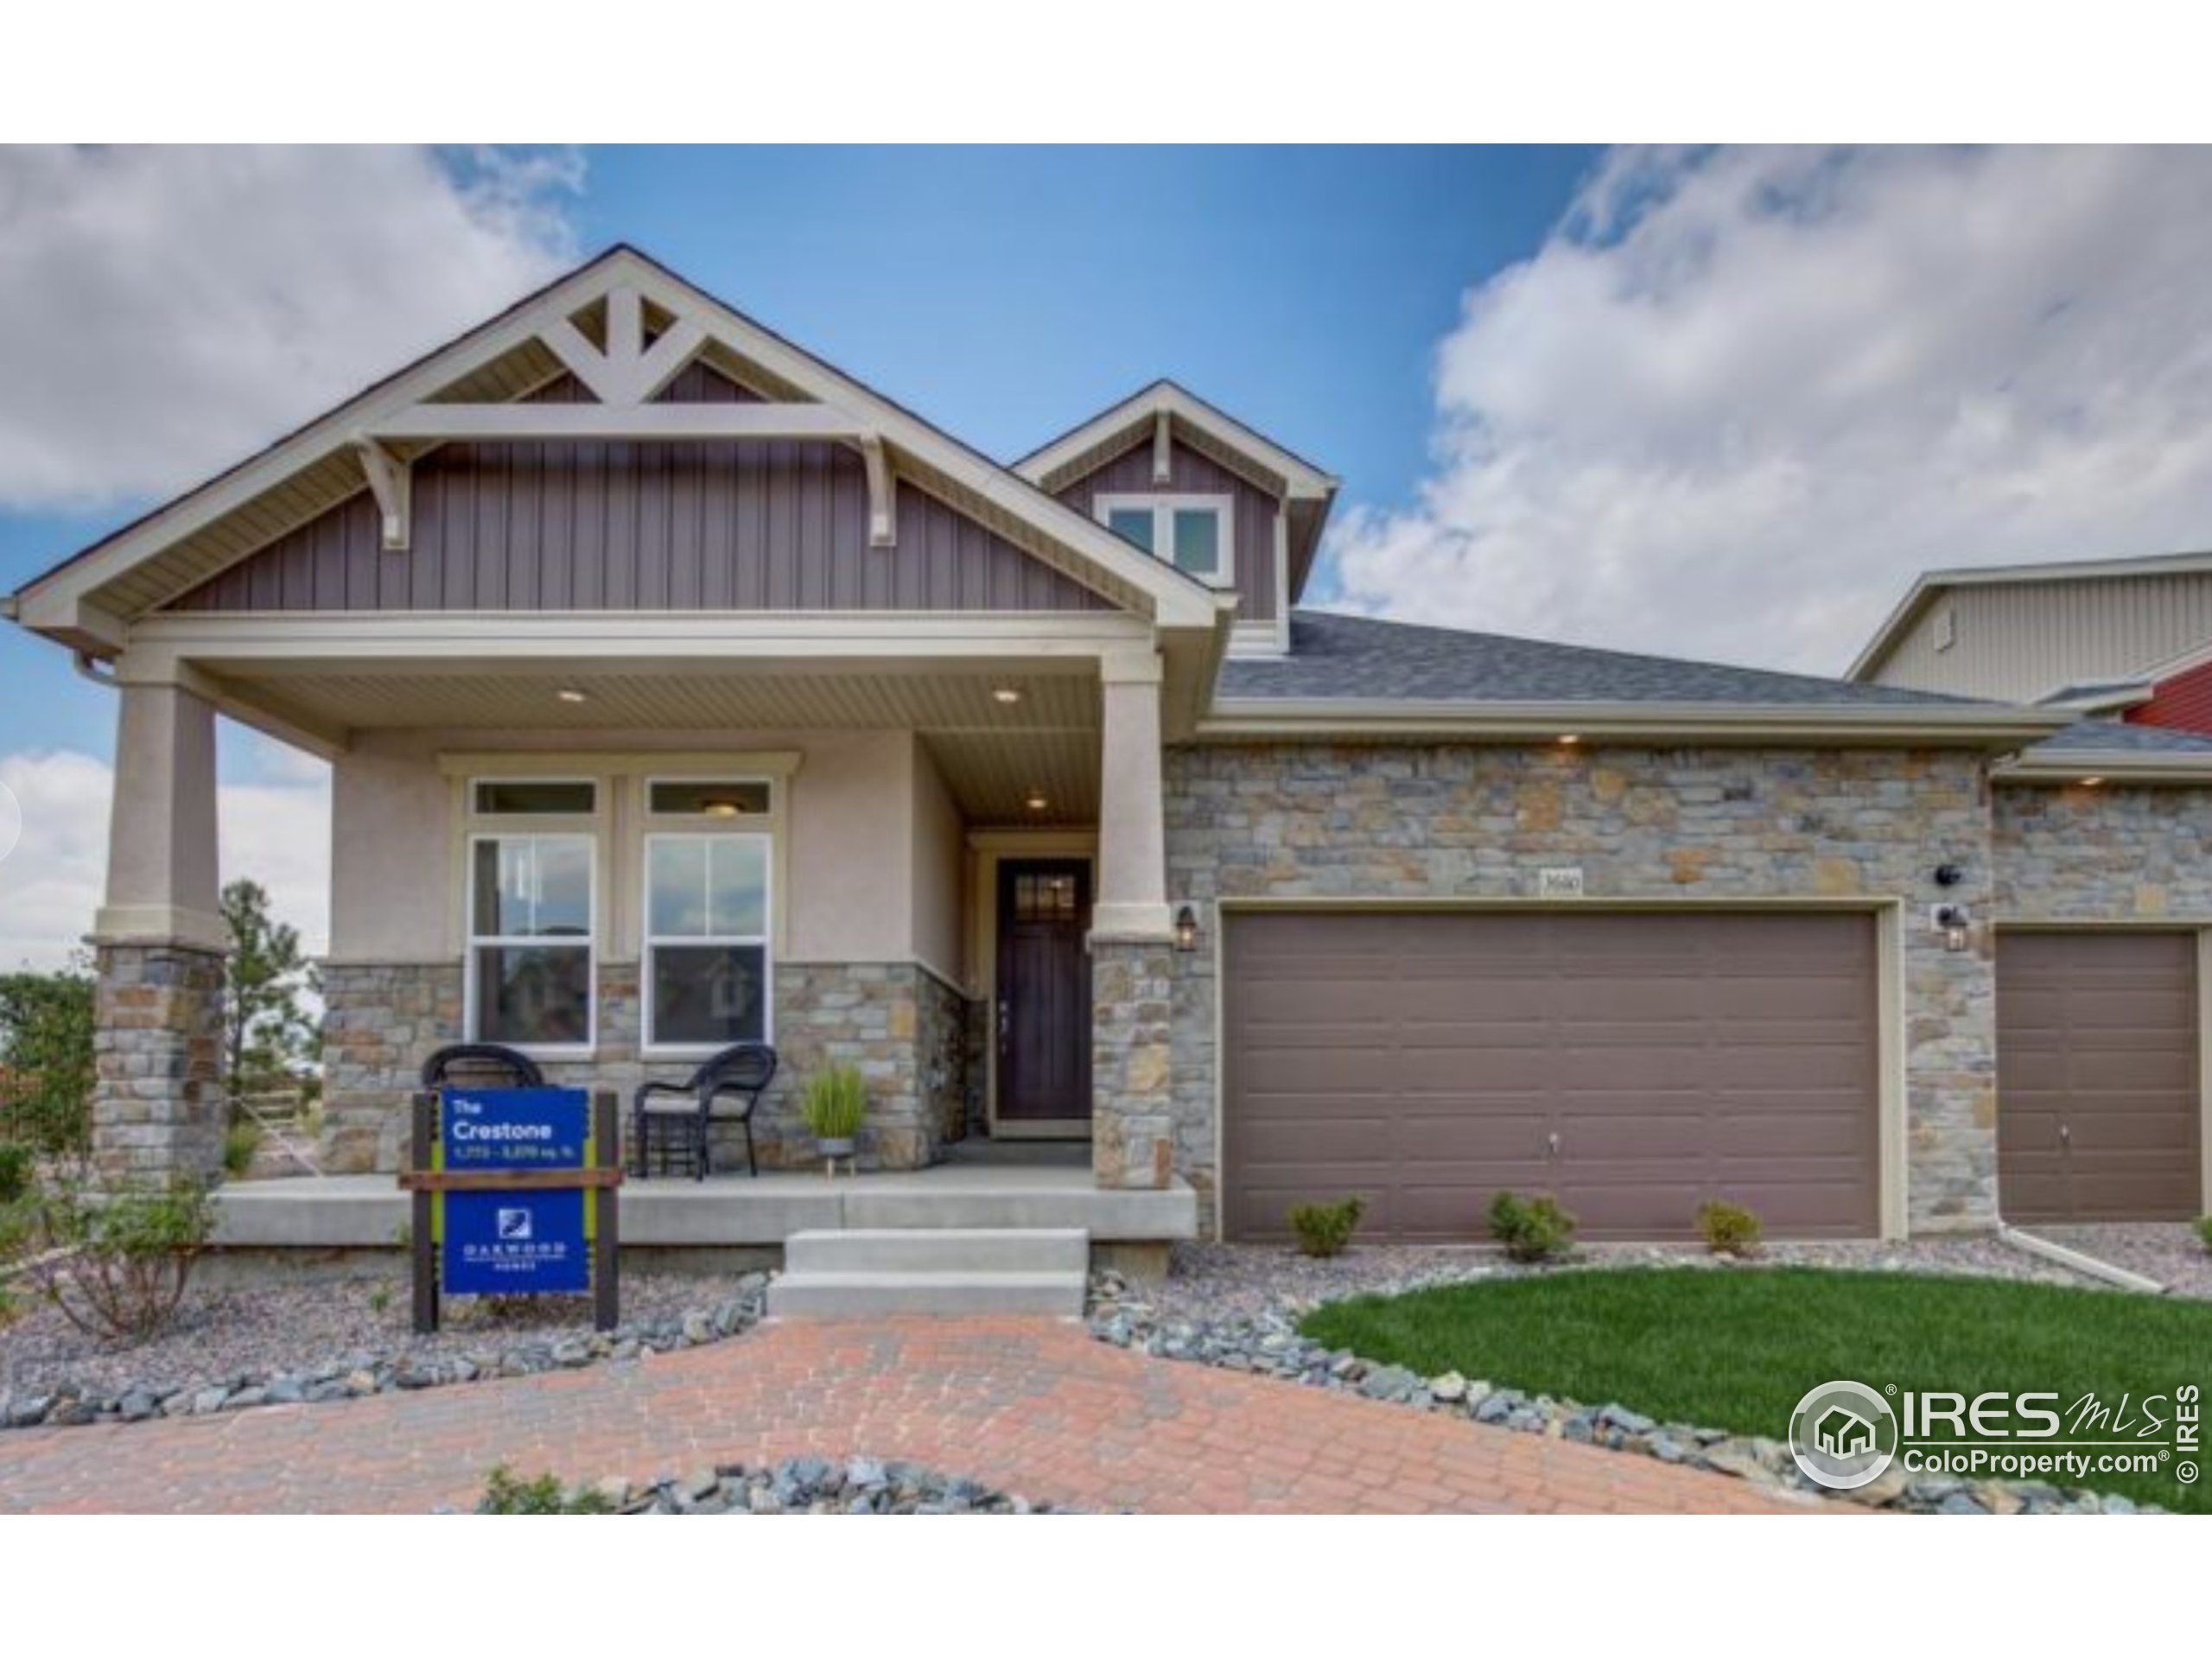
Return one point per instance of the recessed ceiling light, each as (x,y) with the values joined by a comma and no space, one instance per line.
(569,693)
(1008,694)
(1569,740)
(2091,783)
(1036,803)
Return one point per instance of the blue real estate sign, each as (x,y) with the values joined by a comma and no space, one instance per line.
(509,1243)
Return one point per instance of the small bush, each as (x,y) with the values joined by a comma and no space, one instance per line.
(1728,1228)
(1324,1229)
(1533,1229)
(504,1494)
(835,1102)
(2204,1231)
(116,1261)
(15,1171)
(240,1141)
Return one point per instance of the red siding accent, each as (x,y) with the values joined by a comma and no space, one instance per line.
(2184,702)
(639,526)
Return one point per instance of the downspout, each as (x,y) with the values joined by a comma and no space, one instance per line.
(2088,1267)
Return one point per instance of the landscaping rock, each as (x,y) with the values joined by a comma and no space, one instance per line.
(810,1485)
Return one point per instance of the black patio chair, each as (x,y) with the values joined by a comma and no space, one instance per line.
(486,1065)
(683,1112)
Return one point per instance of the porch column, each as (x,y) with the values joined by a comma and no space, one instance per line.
(1132,938)
(159,943)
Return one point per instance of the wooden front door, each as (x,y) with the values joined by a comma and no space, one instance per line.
(1044,1011)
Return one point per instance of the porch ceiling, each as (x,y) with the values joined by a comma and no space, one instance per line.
(996,757)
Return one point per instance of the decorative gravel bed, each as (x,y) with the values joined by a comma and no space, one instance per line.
(232,1349)
(815,1486)
(1237,1306)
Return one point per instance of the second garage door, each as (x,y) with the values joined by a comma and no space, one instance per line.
(2098,1116)
(1634,1064)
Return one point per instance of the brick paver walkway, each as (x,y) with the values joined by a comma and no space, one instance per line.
(1026,1405)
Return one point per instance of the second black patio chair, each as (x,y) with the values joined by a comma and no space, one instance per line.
(679,1115)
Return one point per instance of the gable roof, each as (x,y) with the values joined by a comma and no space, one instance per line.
(86,599)
(1305,490)
(1353,671)
(1931,585)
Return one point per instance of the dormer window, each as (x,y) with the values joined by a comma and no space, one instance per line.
(1194,533)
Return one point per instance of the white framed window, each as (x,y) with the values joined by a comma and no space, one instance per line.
(1194,533)
(706,977)
(532,954)
(707,970)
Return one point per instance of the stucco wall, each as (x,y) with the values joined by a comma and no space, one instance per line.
(2103,855)
(848,858)
(940,859)
(1444,822)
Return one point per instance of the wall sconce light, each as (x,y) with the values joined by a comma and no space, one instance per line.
(1952,923)
(1186,929)
(1948,875)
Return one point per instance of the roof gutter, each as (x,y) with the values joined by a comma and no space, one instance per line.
(2107,767)
(1967,726)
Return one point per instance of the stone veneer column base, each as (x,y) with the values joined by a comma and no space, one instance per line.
(1131,1121)
(380,1021)
(157,1102)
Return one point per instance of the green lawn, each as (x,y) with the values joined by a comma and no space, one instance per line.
(1736,1349)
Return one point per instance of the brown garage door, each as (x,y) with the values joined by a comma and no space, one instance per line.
(2097,1109)
(1634,1064)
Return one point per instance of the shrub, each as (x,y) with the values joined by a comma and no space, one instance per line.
(116,1261)
(1533,1229)
(240,1141)
(504,1494)
(2204,1231)
(1728,1228)
(835,1102)
(46,1057)
(15,1163)
(1324,1229)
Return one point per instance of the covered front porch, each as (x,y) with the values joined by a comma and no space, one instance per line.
(933,851)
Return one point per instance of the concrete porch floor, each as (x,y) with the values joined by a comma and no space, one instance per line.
(349,1212)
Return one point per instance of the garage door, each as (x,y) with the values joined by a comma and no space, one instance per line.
(1634,1064)
(2097,1110)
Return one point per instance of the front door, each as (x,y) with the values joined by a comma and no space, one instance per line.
(1044,1011)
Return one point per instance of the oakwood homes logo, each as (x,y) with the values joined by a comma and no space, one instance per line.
(1845,1434)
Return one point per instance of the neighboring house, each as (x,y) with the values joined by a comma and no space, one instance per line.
(680,689)
(2128,639)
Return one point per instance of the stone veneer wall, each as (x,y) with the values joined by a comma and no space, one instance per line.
(1461,822)
(899,1023)
(1132,1139)
(157,1098)
(2113,853)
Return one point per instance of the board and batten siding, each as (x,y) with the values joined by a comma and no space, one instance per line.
(585,526)
(1192,473)
(2016,642)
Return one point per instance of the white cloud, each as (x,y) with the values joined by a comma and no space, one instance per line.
(1739,399)
(165,312)
(278,833)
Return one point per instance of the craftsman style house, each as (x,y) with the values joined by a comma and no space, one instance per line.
(681,690)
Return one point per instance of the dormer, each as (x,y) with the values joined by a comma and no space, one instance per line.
(1172,475)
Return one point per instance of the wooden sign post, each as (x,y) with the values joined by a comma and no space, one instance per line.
(516,1192)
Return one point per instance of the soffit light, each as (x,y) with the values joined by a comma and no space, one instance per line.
(569,693)
(1036,801)
(1007,694)
(2092,783)
(1569,740)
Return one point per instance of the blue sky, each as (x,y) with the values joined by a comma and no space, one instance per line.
(1008,294)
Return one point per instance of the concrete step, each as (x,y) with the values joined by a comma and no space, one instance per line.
(939,1249)
(834,1295)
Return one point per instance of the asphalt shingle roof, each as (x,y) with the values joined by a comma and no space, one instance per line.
(1354,658)
(2112,736)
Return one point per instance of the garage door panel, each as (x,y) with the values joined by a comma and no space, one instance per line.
(1671,1053)
(2099,1115)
